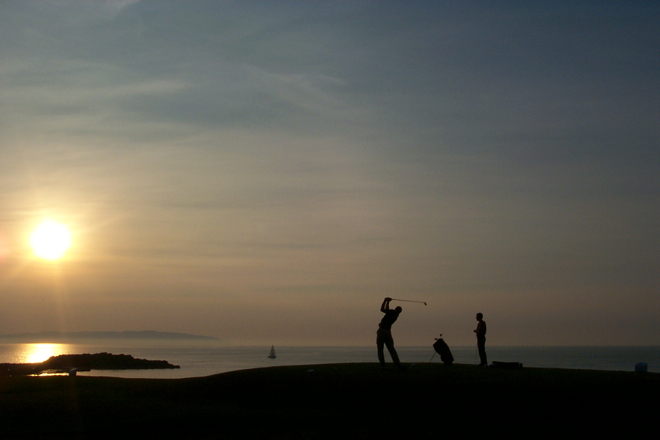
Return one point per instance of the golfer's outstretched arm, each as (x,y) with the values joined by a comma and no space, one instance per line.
(386,305)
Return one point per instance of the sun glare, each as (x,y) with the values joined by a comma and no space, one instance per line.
(40,352)
(50,240)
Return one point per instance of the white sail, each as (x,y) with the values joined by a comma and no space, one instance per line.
(272,352)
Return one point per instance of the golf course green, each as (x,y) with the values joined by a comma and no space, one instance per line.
(335,401)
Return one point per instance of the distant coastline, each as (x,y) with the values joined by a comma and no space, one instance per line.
(53,336)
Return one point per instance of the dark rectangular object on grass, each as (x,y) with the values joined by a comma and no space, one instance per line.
(507,365)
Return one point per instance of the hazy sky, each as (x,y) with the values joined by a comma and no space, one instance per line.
(267,171)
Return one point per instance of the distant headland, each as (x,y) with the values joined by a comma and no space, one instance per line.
(84,362)
(52,336)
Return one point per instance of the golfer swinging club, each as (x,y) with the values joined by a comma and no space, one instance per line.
(384,334)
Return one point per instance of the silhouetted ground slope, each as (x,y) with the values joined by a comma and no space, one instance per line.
(336,401)
(84,362)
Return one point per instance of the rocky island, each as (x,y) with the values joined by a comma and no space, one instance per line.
(83,362)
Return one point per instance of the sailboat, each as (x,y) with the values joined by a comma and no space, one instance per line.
(272,352)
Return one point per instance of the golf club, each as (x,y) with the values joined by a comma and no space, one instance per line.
(409,301)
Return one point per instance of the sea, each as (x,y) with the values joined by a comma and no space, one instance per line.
(199,359)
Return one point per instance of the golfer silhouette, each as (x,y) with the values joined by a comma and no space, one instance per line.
(384,334)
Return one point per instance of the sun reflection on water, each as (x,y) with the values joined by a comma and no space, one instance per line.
(33,353)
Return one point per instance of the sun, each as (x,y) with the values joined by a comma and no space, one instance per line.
(50,240)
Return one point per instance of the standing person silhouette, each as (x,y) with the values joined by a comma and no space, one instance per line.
(481,340)
(384,334)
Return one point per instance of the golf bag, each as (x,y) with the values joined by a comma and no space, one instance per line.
(441,347)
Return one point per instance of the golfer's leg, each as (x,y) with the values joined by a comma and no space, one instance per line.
(390,347)
(381,355)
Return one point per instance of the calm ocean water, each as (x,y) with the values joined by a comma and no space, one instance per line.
(204,359)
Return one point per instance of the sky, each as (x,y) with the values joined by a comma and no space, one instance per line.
(266,172)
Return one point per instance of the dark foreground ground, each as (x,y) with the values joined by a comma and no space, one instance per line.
(336,401)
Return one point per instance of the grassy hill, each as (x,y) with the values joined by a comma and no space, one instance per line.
(335,401)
